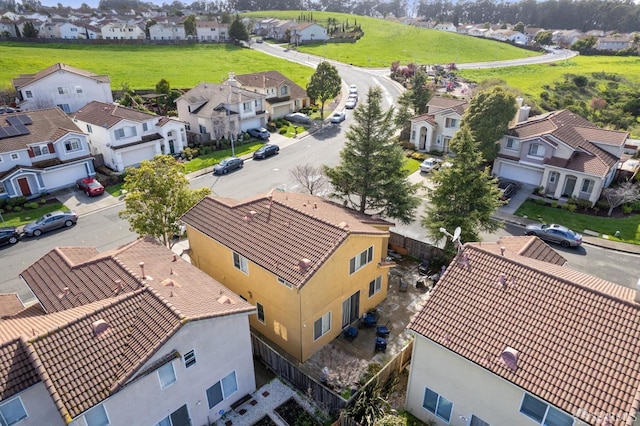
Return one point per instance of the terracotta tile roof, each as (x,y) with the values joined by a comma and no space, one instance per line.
(211,97)
(428,117)
(438,103)
(577,335)
(527,246)
(283,229)
(10,304)
(108,115)
(25,79)
(17,373)
(271,79)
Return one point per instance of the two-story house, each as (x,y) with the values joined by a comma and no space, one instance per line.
(308,32)
(61,85)
(136,335)
(562,152)
(310,266)
(446,26)
(122,31)
(125,136)
(215,111)
(511,337)
(282,95)
(167,31)
(41,151)
(211,31)
(613,43)
(433,130)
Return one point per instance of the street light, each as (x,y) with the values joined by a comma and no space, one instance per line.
(233,152)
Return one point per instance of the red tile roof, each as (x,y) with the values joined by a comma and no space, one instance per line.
(10,304)
(271,79)
(529,246)
(108,115)
(438,103)
(25,79)
(577,335)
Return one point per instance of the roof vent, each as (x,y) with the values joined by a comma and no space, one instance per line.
(141,264)
(502,280)
(509,358)
(502,249)
(315,205)
(100,327)
(465,261)
(169,283)
(224,300)
(304,264)
(119,287)
(344,225)
(65,293)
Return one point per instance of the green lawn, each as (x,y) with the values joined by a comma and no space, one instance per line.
(26,216)
(629,227)
(411,165)
(214,158)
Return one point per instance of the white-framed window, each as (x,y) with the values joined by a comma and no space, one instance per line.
(375,286)
(451,122)
(12,411)
(203,129)
(322,326)
(240,262)
(437,404)
(553,177)
(125,132)
(166,375)
(97,416)
(178,417)
(413,135)
(284,90)
(587,186)
(190,358)
(40,150)
(222,390)
(64,107)
(536,150)
(512,144)
(357,262)
(260,312)
(15,156)
(543,413)
(78,89)
(71,145)
(63,90)
(145,127)
(246,106)
(89,128)
(28,94)
(284,282)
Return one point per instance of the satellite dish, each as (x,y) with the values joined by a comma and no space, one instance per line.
(456,234)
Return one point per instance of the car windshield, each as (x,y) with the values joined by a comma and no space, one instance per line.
(94,184)
(571,233)
(42,219)
(224,162)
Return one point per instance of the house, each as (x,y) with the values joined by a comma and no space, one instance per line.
(613,43)
(214,111)
(134,333)
(71,30)
(508,35)
(41,151)
(433,130)
(446,26)
(208,31)
(282,95)
(125,136)
(308,32)
(61,85)
(281,29)
(310,266)
(117,30)
(167,31)
(562,152)
(508,337)
(7,27)
(531,33)
(264,27)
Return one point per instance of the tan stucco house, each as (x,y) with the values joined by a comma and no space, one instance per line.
(433,130)
(282,95)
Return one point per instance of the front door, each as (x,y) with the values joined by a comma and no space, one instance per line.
(569,186)
(351,309)
(23,183)
(172,149)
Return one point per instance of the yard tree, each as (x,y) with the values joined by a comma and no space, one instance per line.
(627,192)
(464,195)
(157,195)
(190,25)
(309,177)
(324,85)
(237,30)
(370,177)
(29,31)
(488,117)
(544,38)
(420,93)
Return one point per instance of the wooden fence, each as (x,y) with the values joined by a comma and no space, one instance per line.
(414,248)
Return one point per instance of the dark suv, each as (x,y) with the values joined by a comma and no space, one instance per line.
(259,133)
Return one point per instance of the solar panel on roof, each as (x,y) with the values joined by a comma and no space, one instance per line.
(3,134)
(24,119)
(22,129)
(11,131)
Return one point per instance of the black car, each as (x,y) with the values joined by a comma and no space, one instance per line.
(227,165)
(507,189)
(259,133)
(266,151)
(9,234)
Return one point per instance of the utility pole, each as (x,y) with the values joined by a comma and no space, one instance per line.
(233,152)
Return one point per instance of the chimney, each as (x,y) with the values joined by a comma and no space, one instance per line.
(232,79)
(502,249)
(142,269)
(303,265)
(522,112)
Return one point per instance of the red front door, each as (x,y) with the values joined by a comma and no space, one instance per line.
(24,187)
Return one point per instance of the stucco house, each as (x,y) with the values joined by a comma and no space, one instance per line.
(308,32)
(282,95)
(117,30)
(209,31)
(61,85)
(433,130)
(310,266)
(562,152)
(167,31)
(446,26)
(135,335)
(41,151)
(510,337)
(125,136)
(613,43)
(508,35)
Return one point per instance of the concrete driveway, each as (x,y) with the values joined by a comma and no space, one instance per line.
(516,201)
(76,200)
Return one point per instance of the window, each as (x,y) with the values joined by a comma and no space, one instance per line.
(12,411)
(587,186)
(62,90)
(64,107)
(72,145)
(451,122)
(476,421)
(284,90)
(536,150)
(437,404)
(180,417)
(284,282)
(78,89)
(360,260)
(246,106)
(28,94)
(375,286)
(553,177)
(321,326)
(166,375)
(512,144)
(89,128)
(240,262)
(260,312)
(125,132)
(413,135)
(190,358)
(145,127)
(97,416)
(222,390)
(543,413)
(15,156)
(40,150)
(203,129)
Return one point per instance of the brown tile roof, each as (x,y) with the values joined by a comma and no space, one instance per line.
(10,304)
(210,97)
(283,229)
(428,117)
(577,335)
(438,103)
(527,246)
(269,79)
(25,79)
(17,373)
(108,115)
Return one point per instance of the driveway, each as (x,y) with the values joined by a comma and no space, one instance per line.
(76,200)
(516,201)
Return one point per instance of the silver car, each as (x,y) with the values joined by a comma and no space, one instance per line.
(49,222)
(555,234)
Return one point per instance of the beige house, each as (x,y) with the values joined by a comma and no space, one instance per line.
(281,94)
(510,337)
(433,130)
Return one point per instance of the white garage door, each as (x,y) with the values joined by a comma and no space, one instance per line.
(280,111)
(251,124)
(520,174)
(134,157)
(66,176)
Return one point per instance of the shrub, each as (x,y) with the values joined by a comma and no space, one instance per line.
(554,204)
(569,207)
(43,200)
(271,126)
(627,209)
(205,150)
(407,145)
(17,209)
(602,204)
(635,206)
(30,205)
(539,190)
(584,204)
(16,201)
(282,130)
(418,156)
(573,200)
(540,202)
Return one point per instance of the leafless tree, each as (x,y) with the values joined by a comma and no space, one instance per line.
(310,178)
(340,369)
(627,192)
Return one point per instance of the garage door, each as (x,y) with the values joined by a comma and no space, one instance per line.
(520,174)
(66,176)
(134,157)
(280,111)
(251,124)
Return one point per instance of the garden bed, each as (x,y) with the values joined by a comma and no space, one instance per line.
(265,421)
(292,413)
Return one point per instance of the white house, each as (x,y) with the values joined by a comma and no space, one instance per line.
(508,35)
(613,43)
(7,26)
(132,336)
(125,136)
(41,151)
(167,31)
(122,31)
(282,95)
(210,31)
(309,32)
(433,130)
(510,337)
(61,85)
(70,30)
(446,26)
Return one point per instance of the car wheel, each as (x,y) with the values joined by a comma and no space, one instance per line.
(241,166)
(68,223)
(564,244)
(13,240)
(528,233)
(225,171)
(37,233)
(87,193)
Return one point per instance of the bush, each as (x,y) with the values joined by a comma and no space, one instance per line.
(17,209)
(627,209)
(407,145)
(16,201)
(584,204)
(635,206)
(539,190)
(30,205)
(419,156)
(272,126)
(554,204)
(43,200)
(570,207)
(540,202)
(282,130)
(602,204)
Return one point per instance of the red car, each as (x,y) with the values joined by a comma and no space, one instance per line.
(90,186)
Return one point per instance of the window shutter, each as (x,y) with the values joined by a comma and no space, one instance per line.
(30,151)
(51,148)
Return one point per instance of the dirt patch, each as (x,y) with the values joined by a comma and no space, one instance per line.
(293,414)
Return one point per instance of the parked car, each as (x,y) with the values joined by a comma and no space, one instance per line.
(555,233)
(259,133)
(430,164)
(265,151)
(298,117)
(259,40)
(49,222)
(9,234)
(507,189)
(353,89)
(90,186)
(351,102)
(227,165)
(338,116)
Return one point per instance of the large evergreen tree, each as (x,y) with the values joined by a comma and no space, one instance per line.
(324,85)
(237,30)
(464,195)
(29,31)
(370,177)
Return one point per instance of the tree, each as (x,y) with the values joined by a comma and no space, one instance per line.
(544,38)
(627,192)
(420,93)
(238,31)
(370,177)
(29,31)
(158,194)
(310,178)
(488,118)
(190,25)
(464,195)
(324,85)
(519,27)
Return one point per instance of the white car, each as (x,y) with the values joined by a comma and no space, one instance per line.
(430,164)
(353,89)
(351,102)
(338,116)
